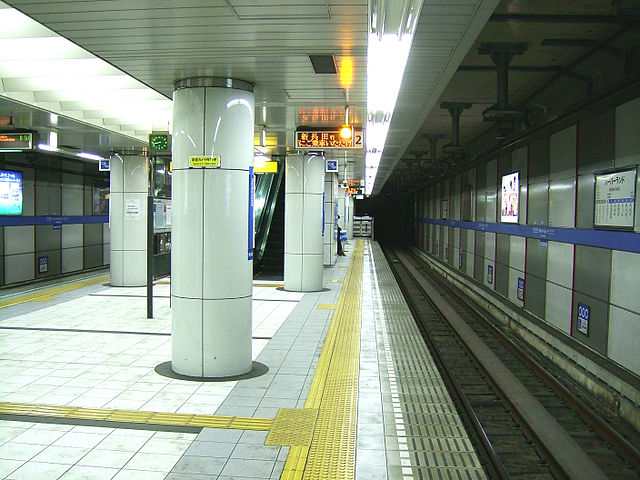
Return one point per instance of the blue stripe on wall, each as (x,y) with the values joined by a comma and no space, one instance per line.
(8,221)
(615,240)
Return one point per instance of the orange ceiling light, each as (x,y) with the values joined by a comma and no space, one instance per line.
(346,72)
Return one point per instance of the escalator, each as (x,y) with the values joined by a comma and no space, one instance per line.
(268,260)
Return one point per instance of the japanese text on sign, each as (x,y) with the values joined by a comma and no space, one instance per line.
(615,199)
(328,139)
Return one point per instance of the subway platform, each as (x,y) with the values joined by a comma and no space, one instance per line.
(342,388)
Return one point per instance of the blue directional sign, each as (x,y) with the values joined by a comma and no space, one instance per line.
(105,165)
(332,166)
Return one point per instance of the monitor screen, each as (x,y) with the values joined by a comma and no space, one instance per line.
(10,193)
(510,197)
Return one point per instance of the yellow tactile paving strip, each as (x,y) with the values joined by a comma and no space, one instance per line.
(322,435)
(47,295)
(293,427)
(135,416)
(334,391)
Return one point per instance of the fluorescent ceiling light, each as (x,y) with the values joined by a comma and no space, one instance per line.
(43,69)
(391,30)
(49,148)
(90,156)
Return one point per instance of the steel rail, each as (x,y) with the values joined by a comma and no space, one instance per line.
(497,466)
(563,450)
(599,424)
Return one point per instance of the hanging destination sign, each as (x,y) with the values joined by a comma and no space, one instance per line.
(328,139)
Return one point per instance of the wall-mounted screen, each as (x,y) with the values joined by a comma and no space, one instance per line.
(10,193)
(510,197)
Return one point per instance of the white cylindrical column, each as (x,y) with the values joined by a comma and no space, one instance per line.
(212,235)
(349,216)
(342,211)
(303,256)
(129,187)
(330,246)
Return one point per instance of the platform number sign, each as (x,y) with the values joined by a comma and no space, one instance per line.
(584,314)
(43,264)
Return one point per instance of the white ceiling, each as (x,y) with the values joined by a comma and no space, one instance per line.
(264,42)
(267,42)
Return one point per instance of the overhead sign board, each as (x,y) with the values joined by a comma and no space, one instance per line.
(326,139)
(205,161)
(16,141)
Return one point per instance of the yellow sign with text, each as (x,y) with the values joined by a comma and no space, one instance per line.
(212,161)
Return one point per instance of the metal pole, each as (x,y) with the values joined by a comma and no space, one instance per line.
(150,256)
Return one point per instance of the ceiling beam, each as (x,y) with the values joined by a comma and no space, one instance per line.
(545,18)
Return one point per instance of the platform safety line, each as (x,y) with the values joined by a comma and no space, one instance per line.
(45,295)
(135,416)
(334,390)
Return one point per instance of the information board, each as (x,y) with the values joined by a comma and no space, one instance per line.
(615,199)
(327,139)
(161,214)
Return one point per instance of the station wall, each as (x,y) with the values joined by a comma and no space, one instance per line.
(64,219)
(553,262)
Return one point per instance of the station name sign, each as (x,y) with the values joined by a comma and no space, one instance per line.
(16,141)
(326,139)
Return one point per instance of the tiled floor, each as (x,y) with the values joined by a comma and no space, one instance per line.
(95,348)
(99,350)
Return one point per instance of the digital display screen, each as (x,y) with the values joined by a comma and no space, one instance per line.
(328,139)
(510,198)
(15,141)
(10,193)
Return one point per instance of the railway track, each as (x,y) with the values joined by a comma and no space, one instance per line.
(527,425)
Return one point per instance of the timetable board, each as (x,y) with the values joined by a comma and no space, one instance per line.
(615,199)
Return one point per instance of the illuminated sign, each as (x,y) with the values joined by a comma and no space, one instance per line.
(15,141)
(326,139)
(159,142)
(266,167)
(351,191)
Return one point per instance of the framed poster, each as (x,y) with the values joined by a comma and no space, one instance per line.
(615,199)
(510,198)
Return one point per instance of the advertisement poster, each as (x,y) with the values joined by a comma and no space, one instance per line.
(10,193)
(615,199)
(510,194)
